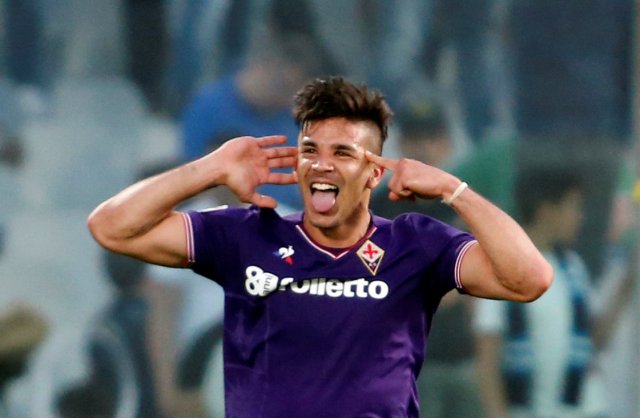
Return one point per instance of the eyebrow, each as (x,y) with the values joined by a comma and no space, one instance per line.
(306,141)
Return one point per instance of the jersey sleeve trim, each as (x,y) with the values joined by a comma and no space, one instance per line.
(463,250)
(188,230)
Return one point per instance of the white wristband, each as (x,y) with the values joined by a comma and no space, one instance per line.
(457,192)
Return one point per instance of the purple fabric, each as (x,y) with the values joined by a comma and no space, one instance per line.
(309,333)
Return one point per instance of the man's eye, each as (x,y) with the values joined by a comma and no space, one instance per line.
(308,151)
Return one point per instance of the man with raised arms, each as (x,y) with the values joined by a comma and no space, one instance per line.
(327,311)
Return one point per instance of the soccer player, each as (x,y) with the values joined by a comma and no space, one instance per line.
(327,311)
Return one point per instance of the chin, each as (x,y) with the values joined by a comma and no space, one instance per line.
(322,220)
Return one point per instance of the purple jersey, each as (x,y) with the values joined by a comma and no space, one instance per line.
(316,333)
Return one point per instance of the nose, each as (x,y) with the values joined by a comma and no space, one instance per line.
(322,164)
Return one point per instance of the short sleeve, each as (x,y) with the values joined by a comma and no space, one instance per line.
(212,236)
(445,246)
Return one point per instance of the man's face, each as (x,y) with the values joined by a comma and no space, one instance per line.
(430,148)
(563,219)
(569,217)
(334,176)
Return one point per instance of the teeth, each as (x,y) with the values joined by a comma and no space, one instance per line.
(323,186)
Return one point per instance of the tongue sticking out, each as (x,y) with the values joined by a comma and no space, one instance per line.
(323,201)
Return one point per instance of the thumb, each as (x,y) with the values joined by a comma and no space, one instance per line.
(263,201)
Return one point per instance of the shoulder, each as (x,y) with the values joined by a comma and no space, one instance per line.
(249,217)
(417,222)
(422,230)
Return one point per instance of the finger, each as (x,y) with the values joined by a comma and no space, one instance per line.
(387,163)
(267,141)
(281,152)
(281,178)
(263,201)
(282,162)
(407,196)
(401,194)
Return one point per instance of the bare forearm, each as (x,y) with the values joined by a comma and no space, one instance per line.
(140,207)
(514,260)
(506,264)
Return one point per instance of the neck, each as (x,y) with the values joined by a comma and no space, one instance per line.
(343,235)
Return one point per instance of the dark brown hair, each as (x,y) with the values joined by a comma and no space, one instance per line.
(536,186)
(336,97)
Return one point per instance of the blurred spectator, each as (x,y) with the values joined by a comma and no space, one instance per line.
(449,373)
(570,65)
(572,80)
(11,124)
(424,135)
(348,29)
(552,43)
(539,359)
(448,43)
(120,380)
(373,40)
(11,150)
(185,325)
(24,30)
(194,55)
(490,168)
(298,19)
(619,341)
(184,308)
(22,330)
(256,101)
(146,39)
(200,365)
(11,153)
(463,28)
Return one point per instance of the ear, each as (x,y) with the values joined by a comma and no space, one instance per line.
(375,178)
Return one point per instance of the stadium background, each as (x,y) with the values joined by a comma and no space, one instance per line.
(91,91)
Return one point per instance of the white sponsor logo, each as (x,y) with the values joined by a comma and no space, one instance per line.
(260,283)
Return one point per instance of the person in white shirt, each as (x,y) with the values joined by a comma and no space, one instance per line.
(537,360)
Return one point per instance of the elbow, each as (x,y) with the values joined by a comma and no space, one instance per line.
(101,229)
(540,278)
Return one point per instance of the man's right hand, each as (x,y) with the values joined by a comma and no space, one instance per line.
(246,162)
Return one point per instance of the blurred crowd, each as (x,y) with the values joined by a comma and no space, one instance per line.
(529,101)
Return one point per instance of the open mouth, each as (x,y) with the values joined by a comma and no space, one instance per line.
(323,196)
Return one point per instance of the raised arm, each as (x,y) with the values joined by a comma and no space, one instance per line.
(141,221)
(505,264)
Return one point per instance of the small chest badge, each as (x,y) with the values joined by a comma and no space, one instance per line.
(286,254)
(371,256)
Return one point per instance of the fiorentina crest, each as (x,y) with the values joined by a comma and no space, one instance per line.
(371,255)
